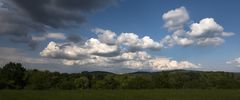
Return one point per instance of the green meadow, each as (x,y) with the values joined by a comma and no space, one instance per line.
(163,94)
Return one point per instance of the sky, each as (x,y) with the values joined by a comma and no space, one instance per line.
(121,35)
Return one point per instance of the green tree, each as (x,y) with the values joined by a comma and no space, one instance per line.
(3,83)
(99,84)
(82,82)
(140,82)
(161,80)
(13,74)
(39,80)
(66,85)
(110,82)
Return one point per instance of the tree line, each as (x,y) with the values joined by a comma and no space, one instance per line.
(15,76)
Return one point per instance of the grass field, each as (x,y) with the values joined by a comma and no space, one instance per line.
(120,95)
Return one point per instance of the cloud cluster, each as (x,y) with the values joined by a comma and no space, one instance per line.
(235,62)
(134,60)
(175,19)
(19,18)
(77,51)
(130,40)
(206,32)
(134,43)
(109,49)
(128,50)
(106,36)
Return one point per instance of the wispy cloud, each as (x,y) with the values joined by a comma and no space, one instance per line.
(234,62)
(43,37)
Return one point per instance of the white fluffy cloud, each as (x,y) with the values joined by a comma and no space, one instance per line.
(207,27)
(135,60)
(167,64)
(105,36)
(175,19)
(130,40)
(107,44)
(183,41)
(133,42)
(206,32)
(126,50)
(159,63)
(78,51)
(171,40)
(94,60)
(235,62)
(60,36)
(113,61)
(142,60)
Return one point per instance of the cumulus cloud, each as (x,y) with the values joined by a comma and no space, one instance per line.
(78,51)
(105,36)
(107,44)
(207,27)
(126,50)
(92,60)
(183,41)
(146,62)
(137,61)
(170,41)
(175,19)
(140,55)
(235,62)
(167,64)
(118,60)
(134,43)
(142,60)
(19,18)
(206,32)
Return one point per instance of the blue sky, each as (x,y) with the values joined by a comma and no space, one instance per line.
(143,18)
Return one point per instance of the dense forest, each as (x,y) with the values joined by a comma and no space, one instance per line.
(15,76)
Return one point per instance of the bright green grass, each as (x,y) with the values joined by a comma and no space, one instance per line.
(168,94)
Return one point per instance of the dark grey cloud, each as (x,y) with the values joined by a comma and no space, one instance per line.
(21,17)
(60,13)
(25,40)
(75,38)
(109,54)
